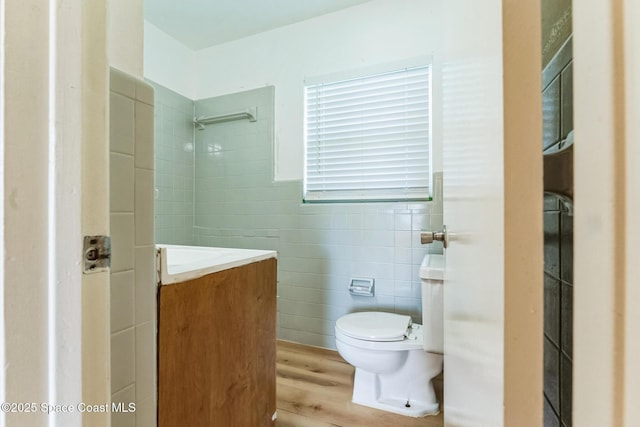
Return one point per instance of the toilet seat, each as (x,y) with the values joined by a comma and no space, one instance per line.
(413,343)
(374,326)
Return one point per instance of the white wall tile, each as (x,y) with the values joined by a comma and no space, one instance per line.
(403,222)
(403,289)
(121,178)
(310,338)
(144,207)
(404,272)
(123,370)
(173,146)
(420,222)
(144,92)
(145,284)
(144,135)
(402,255)
(318,326)
(133,268)
(386,303)
(122,83)
(146,413)
(122,300)
(121,124)
(124,419)
(409,306)
(384,287)
(122,241)
(145,361)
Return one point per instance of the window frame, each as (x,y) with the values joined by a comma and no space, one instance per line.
(364,72)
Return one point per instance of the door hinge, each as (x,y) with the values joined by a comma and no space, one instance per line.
(96,254)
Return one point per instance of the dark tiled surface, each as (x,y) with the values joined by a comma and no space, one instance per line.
(566,101)
(566,374)
(558,255)
(552,243)
(566,319)
(558,313)
(551,203)
(551,114)
(552,374)
(552,309)
(551,419)
(566,247)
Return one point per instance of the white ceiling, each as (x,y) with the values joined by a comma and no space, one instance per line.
(203,23)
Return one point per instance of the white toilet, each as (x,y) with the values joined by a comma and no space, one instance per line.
(394,358)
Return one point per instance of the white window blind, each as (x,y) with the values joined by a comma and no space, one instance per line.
(368,138)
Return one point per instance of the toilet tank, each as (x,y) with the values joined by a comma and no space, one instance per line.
(432,277)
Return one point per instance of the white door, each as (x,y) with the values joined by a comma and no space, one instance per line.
(478,184)
(54,320)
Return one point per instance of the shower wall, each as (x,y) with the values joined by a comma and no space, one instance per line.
(174,135)
(237,203)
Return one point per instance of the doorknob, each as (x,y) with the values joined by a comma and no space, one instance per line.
(427,237)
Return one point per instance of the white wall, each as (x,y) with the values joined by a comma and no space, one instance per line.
(25,270)
(363,36)
(125,35)
(168,62)
(606,90)
(632,229)
(369,34)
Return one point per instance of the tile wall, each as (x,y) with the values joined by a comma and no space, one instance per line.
(223,194)
(557,98)
(320,246)
(133,285)
(174,136)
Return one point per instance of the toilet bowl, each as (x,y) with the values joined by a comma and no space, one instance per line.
(393,370)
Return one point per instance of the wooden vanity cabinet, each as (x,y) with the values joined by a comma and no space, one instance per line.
(216,349)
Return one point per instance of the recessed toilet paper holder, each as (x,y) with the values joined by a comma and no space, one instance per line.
(362,287)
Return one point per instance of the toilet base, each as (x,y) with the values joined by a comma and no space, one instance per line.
(406,392)
(415,410)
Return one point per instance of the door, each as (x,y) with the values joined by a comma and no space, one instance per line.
(54,327)
(491,120)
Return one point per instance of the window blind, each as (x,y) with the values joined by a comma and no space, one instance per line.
(368,138)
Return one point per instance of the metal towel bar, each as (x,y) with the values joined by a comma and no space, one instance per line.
(250,114)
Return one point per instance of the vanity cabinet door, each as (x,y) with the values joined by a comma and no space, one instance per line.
(216,349)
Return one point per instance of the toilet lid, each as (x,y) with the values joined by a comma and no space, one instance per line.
(374,326)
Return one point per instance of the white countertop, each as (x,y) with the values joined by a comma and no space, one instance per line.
(181,263)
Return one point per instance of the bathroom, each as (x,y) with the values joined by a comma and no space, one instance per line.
(239,184)
(90,348)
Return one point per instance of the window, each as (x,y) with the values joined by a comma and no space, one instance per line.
(368,138)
